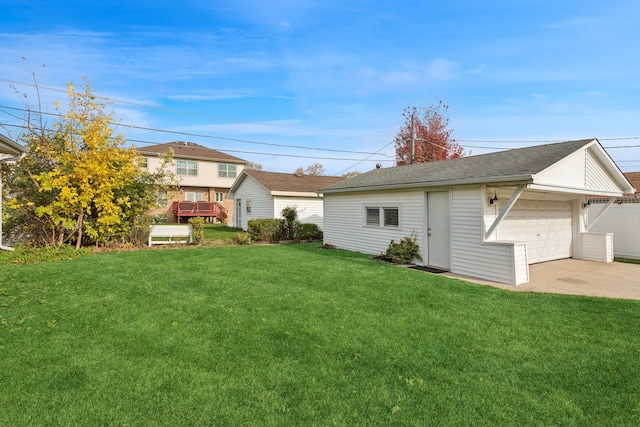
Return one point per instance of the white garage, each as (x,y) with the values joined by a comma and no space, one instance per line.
(487,216)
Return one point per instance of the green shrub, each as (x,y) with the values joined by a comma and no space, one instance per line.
(273,230)
(265,229)
(198,229)
(405,251)
(242,238)
(308,231)
(290,223)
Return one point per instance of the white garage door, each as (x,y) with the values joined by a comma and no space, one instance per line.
(544,225)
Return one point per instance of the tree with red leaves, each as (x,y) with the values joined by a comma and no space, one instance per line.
(432,140)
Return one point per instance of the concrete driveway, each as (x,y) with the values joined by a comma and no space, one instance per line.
(577,277)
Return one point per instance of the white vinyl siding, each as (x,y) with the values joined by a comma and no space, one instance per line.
(345,219)
(469,255)
(207,173)
(581,169)
(309,208)
(265,205)
(261,202)
(521,264)
(597,247)
(624,222)
(596,176)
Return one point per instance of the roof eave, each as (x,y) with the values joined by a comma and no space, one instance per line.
(181,156)
(295,193)
(522,179)
(11,147)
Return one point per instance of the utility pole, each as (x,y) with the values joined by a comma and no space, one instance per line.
(413,140)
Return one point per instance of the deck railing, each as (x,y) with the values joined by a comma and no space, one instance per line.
(201,209)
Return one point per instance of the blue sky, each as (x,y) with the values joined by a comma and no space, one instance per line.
(259,79)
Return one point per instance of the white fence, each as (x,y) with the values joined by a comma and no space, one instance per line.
(624,222)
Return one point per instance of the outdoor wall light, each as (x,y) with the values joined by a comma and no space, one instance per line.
(493,199)
(588,203)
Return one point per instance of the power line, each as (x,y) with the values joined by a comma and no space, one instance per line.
(209,136)
(364,160)
(137,104)
(248,152)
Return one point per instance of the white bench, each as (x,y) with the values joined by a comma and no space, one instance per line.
(182,233)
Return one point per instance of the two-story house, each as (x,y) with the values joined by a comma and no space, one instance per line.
(205,176)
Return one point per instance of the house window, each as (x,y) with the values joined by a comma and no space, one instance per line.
(373,216)
(226,171)
(144,163)
(219,197)
(191,196)
(186,167)
(390,216)
(162,198)
(248,205)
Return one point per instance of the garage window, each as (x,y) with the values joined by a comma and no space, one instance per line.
(382,216)
(373,216)
(390,217)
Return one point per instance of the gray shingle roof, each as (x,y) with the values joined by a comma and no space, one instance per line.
(511,165)
(275,181)
(190,150)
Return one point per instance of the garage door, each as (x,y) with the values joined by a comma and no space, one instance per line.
(544,225)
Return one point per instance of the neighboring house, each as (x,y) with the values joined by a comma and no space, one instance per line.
(622,219)
(487,216)
(258,194)
(205,176)
(9,151)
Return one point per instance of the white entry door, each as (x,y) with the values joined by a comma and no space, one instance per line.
(438,230)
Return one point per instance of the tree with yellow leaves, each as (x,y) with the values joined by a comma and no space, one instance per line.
(78,183)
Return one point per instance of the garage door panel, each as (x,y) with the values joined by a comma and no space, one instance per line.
(544,225)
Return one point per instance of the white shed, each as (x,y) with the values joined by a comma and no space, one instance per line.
(487,216)
(259,194)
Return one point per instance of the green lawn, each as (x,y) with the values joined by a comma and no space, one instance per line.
(298,335)
(213,232)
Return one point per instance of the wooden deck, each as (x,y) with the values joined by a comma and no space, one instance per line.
(209,210)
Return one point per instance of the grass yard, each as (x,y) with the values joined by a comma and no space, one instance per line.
(298,335)
(222,231)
